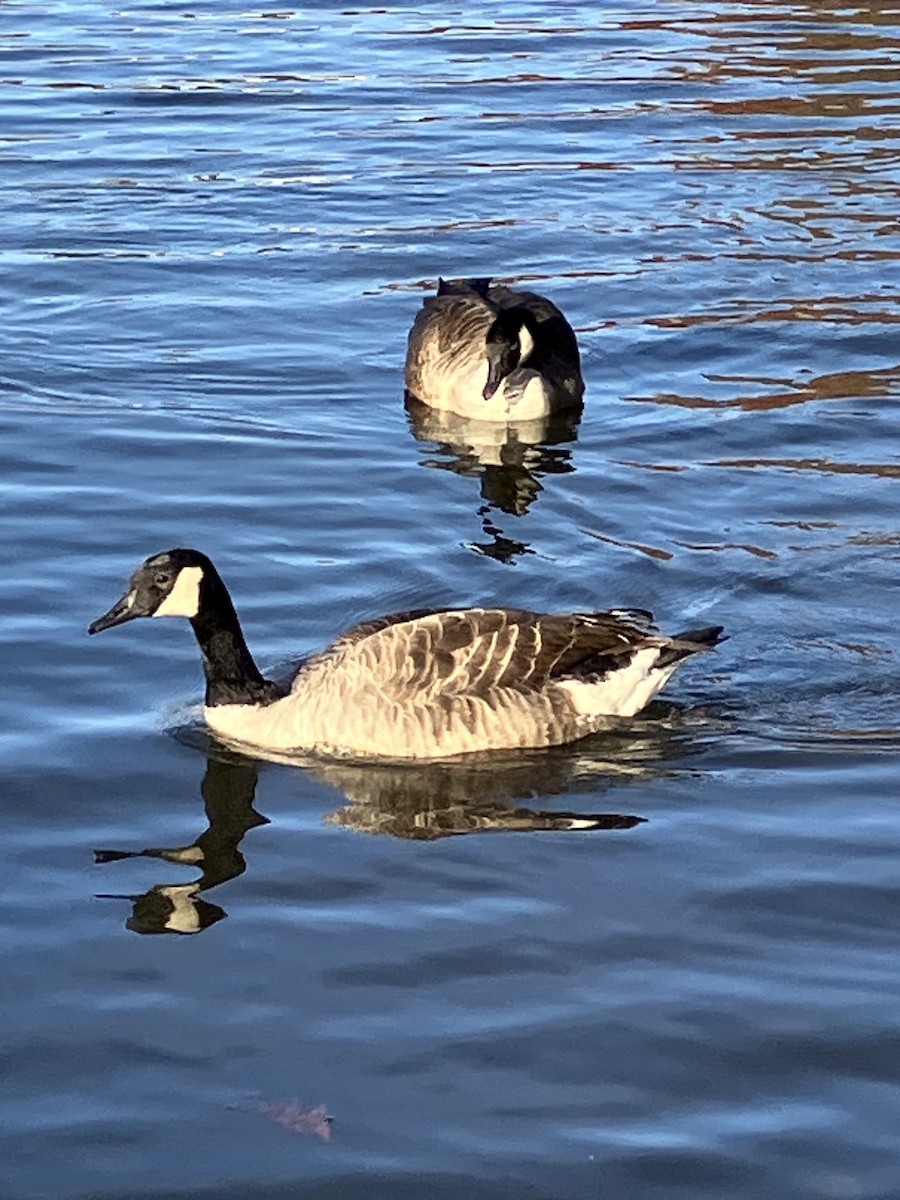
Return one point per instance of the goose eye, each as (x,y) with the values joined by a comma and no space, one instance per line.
(162,580)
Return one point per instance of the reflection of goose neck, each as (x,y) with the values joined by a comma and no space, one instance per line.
(229,789)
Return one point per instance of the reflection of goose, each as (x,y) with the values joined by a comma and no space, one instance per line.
(510,457)
(419,684)
(439,800)
(488,352)
(423,803)
(228,791)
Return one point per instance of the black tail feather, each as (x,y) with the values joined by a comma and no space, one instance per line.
(691,641)
(453,287)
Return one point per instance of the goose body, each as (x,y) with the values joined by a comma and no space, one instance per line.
(485,351)
(423,684)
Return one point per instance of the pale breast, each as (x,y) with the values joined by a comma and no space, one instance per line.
(368,725)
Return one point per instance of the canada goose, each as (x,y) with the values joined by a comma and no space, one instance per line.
(483,350)
(422,684)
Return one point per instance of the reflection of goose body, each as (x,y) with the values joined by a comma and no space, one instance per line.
(488,352)
(421,802)
(510,456)
(437,800)
(421,684)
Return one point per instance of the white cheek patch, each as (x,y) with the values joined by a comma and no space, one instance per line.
(526,344)
(184,598)
(184,917)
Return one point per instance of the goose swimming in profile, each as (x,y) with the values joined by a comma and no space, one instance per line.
(485,351)
(423,684)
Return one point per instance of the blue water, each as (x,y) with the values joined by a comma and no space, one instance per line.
(219,223)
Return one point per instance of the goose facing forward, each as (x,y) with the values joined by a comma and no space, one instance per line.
(423,684)
(485,351)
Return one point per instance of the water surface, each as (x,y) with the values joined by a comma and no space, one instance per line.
(219,224)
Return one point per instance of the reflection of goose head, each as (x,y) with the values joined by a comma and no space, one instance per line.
(486,351)
(173,908)
(228,788)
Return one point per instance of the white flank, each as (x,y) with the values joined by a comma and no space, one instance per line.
(624,692)
(184,598)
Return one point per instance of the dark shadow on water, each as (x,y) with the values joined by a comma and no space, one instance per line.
(509,460)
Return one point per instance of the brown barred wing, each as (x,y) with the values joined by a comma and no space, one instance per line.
(449,330)
(475,652)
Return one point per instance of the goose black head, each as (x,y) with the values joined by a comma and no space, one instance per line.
(166,585)
(507,344)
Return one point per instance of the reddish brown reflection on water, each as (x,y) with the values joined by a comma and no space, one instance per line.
(835,385)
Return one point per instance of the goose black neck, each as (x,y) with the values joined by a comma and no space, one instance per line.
(232,677)
(509,321)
